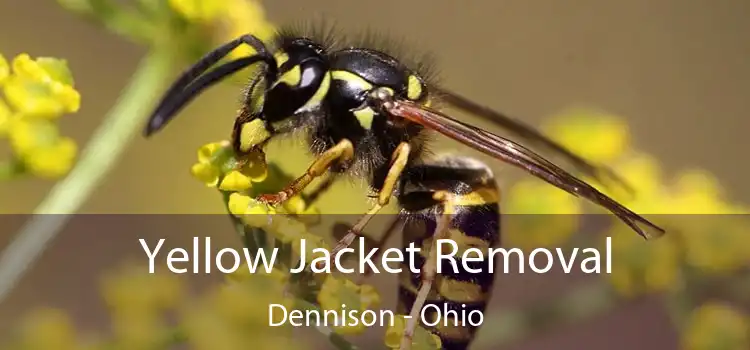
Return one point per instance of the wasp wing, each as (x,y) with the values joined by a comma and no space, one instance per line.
(528,133)
(515,154)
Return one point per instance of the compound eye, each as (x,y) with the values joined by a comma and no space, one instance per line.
(416,90)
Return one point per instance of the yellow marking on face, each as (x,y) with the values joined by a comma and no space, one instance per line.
(252,134)
(320,94)
(479,197)
(281,58)
(414,88)
(351,78)
(365,117)
(291,77)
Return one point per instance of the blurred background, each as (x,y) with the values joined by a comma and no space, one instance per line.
(675,71)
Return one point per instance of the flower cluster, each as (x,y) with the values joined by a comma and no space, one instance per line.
(188,27)
(712,243)
(716,325)
(705,235)
(336,292)
(154,311)
(231,18)
(287,226)
(37,92)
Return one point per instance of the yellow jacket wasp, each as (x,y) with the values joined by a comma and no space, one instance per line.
(366,113)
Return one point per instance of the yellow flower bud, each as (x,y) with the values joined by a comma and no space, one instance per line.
(40,99)
(643,266)
(207,151)
(717,326)
(201,11)
(5,118)
(644,174)
(339,293)
(238,204)
(4,69)
(206,173)
(549,216)
(697,192)
(258,214)
(295,205)
(246,17)
(27,135)
(23,65)
(235,181)
(53,161)
(596,136)
(49,329)
(42,87)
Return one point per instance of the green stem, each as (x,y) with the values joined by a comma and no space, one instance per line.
(96,161)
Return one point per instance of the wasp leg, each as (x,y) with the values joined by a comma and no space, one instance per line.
(341,152)
(429,269)
(398,163)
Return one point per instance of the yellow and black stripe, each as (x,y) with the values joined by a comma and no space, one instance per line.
(476,223)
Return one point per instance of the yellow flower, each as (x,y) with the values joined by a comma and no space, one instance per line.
(250,211)
(235,181)
(6,116)
(236,314)
(540,215)
(246,303)
(715,243)
(239,203)
(4,69)
(597,136)
(640,266)
(41,88)
(199,10)
(137,301)
(216,161)
(54,161)
(422,339)
(132,288)
(642,172)
(48,329)
(43,151)
(342,294)
(207,152)
(696,192)
(135,329)
(295,205)
(205,173)
(244,17)
(714,326)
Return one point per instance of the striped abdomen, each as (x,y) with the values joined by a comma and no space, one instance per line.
(476,224)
